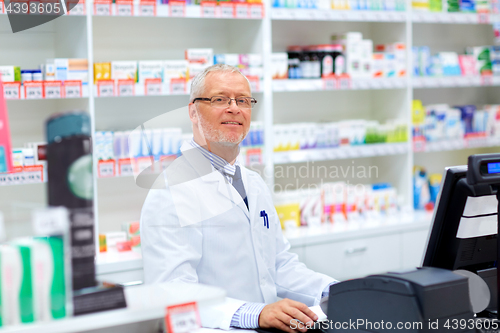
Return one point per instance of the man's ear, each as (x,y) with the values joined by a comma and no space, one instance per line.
(193,114)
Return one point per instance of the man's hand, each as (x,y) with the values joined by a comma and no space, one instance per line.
(281,315)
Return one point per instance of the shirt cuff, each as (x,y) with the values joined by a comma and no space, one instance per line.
(326,291)
(247,316)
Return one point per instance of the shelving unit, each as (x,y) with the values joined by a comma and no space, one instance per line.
(138,37)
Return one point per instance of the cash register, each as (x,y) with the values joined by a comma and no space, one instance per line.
(432,298)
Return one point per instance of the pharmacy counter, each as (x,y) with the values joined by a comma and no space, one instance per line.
(145,305)
(406,235)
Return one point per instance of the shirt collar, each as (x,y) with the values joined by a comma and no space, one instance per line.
(217,162)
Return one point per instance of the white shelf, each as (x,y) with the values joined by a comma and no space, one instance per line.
(84,91)
(457,144)
(327,232)
(145,302)
(327,154)
(166,90)
(239,11)
(460,18)
(323,84)
(337,15)
(337,153)
(380,16)
(455,81)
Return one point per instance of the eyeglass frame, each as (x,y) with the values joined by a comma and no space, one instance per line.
(230,99)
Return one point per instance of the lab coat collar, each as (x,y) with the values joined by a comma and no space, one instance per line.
(208,173)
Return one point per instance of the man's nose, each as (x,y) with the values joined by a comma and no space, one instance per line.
(233,106)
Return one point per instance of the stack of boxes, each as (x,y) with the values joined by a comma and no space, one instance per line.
(59,69)
(351,54)
(196,60)
(386,5)
(441,122)
(336,203)
(483,60)
(337,134)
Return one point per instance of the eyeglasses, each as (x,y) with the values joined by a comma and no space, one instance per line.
(224,102)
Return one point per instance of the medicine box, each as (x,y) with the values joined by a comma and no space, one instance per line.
(200,56)
(175,69)
(124,70)
(10,73)
(150,69)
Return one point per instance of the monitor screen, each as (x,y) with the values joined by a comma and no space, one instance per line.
(493,167)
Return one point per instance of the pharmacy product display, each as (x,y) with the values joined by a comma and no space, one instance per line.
(120,241)
(439,122)
(196,60)
(425,188)
(29,165)
(56,78)
(198,2)
(463,6)
(336,203)
(131,152)
(33,280)
(480,60)
(337,134)
(157,77)
(384,5)
(349,54)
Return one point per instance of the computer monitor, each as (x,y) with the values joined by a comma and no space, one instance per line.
(464,226)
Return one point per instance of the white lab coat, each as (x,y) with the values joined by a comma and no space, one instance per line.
(197,229)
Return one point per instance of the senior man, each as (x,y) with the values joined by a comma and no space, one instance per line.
(215,223)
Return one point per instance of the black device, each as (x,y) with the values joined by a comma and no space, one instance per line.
(468,197)
(70,184)
(425,299)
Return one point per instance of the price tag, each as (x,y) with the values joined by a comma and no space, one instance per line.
(105,88)
(363,84)
(256,10)
(153,87)
(475,140)
(126,87)
(52,89)
(208,9)
(419,143)
(33,89)
(124,8)
(226,9)
(73,89)
(166,160)
(344,82)
(329,83)
(106,169)
(182,318)
(241,10)
(147,8)
(177,86)
(177,8)
(102,8)
(51,221)
(125,167)
(254,83)
(77,7)
(486,80)
(12,90)
(483,18)
(143,164)
(33,173)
